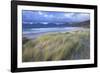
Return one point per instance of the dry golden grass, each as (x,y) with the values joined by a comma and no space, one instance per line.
(58,46)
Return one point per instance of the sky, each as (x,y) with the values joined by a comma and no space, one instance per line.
(45,17)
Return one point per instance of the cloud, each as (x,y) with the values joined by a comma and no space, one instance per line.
(82,17)
(57,17)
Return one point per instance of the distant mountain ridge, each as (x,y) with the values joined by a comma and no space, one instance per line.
(53,25)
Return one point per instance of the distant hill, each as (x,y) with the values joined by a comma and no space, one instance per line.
(53,25)
(83,24)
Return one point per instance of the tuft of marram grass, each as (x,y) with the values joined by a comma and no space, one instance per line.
(58,46)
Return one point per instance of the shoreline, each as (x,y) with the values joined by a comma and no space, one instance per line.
(35,35)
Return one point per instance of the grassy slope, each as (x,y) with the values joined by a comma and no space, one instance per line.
(58,46)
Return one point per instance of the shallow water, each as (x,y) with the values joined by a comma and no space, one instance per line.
(35,32)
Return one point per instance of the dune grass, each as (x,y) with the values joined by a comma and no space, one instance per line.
(71,45)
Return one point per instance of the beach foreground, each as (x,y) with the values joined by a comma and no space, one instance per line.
(73,45)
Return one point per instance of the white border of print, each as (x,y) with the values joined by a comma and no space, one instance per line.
(53,63)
